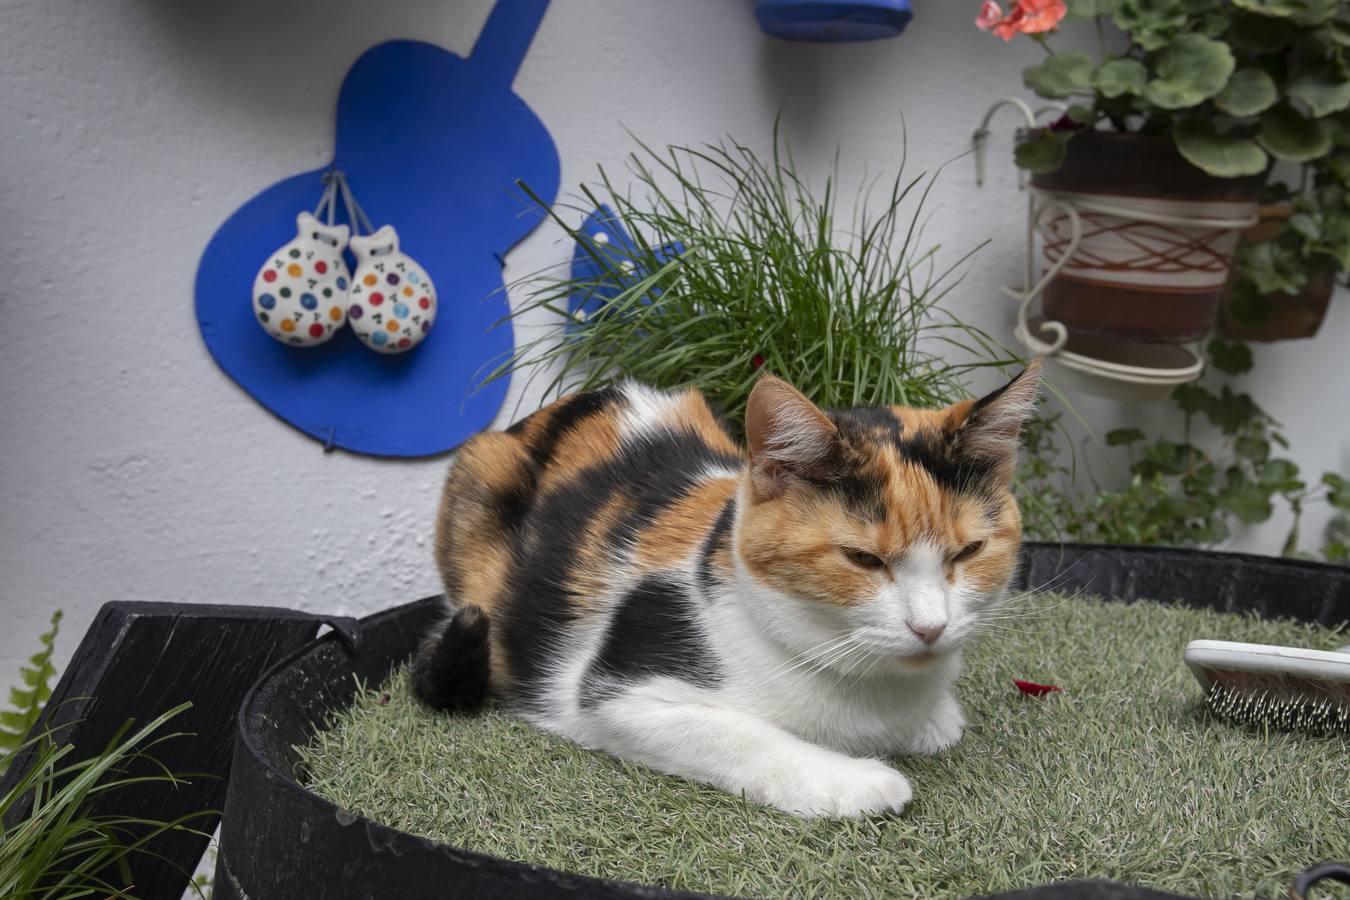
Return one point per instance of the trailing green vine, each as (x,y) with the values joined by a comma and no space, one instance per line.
(1225,468)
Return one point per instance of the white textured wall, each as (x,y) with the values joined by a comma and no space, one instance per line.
(132,469)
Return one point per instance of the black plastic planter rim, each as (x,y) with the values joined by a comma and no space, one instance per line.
(279,840)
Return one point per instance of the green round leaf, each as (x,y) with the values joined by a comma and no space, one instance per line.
(1305,226)
(1188,71)
(1123,437)
(1249,503)
(1248,92)
(1261,34)
(1192,398)
(1083,115)
(1281,475)
(1255,449)
(1301,12)
(1325,90)
(1224,155)
(1120,76)
(1151,23)
(1060,75)
(1339,129)
(1041,151)
(1230,356)
(1339,166)
(1290,135)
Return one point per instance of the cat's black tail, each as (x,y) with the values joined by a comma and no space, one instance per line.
(451,667)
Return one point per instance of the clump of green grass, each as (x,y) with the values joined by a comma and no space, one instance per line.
(1122,776)
(844,304)
(60,846)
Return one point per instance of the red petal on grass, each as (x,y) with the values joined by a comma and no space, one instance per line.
(757,362)
(1032,689)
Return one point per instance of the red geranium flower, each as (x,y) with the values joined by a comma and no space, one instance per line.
(1025,17)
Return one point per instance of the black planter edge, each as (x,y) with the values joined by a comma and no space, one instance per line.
(1133,572)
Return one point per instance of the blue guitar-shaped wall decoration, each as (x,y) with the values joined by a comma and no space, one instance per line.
(432,144)
(607,261)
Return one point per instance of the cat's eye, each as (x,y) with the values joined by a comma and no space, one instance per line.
(862,558)
(968,551)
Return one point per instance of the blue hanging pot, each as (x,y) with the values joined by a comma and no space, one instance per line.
(833,20)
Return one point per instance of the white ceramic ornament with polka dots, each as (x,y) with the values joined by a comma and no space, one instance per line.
(300,293)
(392,302)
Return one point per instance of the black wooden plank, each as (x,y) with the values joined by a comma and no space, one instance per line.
(138,660)
(1230,582)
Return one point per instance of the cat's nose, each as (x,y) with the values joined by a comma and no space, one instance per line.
(927,633)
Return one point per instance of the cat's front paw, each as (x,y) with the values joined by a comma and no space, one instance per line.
(942,731)
(843,787)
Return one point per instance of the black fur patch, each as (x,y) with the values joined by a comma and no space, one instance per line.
(935,452)
(512,505)
(876,421)
(863,494)
(652,474)
(715,542)
(573,412)
(653,633)
(450,671)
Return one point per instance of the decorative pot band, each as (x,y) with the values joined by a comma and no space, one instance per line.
(1146,244)
(1144,268)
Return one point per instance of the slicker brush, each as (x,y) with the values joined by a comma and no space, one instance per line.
(1285,688)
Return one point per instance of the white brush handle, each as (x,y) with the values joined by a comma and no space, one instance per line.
(1266,659)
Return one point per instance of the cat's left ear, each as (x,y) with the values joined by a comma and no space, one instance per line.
(988,431)
(788,437)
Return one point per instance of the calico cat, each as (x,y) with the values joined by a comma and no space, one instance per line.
(768,622)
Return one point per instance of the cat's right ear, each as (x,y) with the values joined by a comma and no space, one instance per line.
(788,436)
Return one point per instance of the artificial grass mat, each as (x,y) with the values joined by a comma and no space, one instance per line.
(1122,776)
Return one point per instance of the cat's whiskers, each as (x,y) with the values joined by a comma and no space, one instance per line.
(841,655)
(1007,611)
(820,656)
(1045,586)
(858,679)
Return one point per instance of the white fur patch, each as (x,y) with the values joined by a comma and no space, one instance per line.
(647,411)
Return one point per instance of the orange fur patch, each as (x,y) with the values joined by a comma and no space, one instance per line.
(681,529)
(696,415)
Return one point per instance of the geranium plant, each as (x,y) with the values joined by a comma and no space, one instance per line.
(1234,82)
(1314,237)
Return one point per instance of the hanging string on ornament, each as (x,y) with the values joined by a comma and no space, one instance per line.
(392,302)
(299,293)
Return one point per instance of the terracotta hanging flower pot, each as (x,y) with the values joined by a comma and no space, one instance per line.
(1130,277)
(1287,317)
(1276,315)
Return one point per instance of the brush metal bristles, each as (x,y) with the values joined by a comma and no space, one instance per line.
(1285,711)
